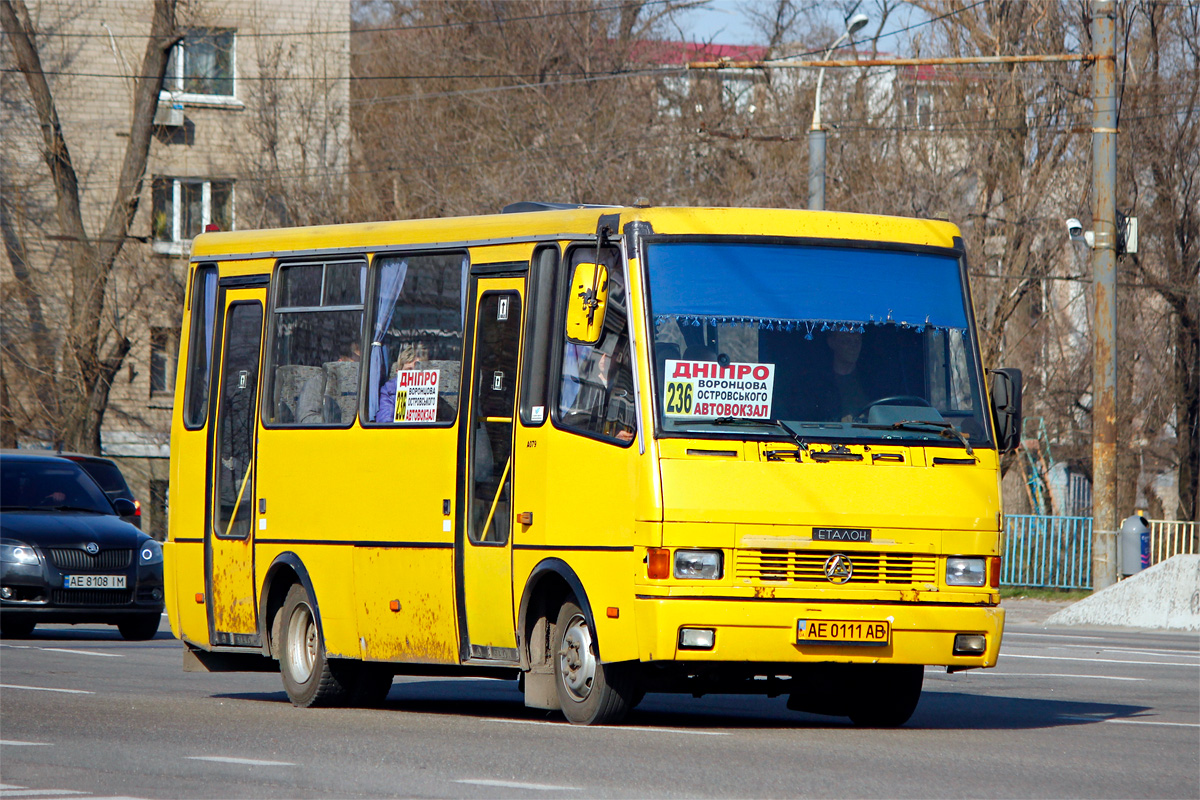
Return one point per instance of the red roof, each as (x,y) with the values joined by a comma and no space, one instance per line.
(683,52)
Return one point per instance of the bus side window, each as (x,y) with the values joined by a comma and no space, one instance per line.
(539,325)
(414,366)
(316,350)
(199,368)
(595,392)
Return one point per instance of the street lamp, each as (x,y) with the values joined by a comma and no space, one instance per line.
(816,134)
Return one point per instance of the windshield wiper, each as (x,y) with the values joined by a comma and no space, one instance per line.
(777,423)
(89,509)
(947,429)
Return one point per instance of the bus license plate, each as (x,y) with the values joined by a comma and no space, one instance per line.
(838,631)
(93,581)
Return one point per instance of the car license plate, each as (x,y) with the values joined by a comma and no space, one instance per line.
(838,631)
(93,581)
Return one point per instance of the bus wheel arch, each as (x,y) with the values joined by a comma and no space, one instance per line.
(549,585)
(285,571)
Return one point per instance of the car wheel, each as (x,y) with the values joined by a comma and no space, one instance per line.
(889,696)
(16,628)
(589,692)
(141,628)
(307,676)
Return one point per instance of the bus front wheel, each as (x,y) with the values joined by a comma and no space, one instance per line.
(307,676)
(589,692)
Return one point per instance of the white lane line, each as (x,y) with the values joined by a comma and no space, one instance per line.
(1099,660)
(43,689)
(1116,721)
(1134,651)
(254,762)
(1065,637)
(543,787)
(991,673)
(604,727)
(81,652)
(36,792)
(15,743)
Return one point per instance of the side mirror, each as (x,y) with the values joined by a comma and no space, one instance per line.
(1006,408)
(124,507)
(586,304)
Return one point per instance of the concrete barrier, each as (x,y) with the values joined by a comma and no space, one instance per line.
(1166,595)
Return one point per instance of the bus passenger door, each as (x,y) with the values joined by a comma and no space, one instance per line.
(487,552)
(229,535)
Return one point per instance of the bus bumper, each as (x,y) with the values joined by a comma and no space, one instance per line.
(765,631)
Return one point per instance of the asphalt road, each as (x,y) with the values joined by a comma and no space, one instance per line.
(1068,713)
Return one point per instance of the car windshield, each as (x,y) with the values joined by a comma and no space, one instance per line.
(834,342)
(58,484)
(108,476)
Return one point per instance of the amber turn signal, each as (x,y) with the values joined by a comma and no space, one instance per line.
(394,605)
(199,597)
(658,563)
(994,572)
(614,612)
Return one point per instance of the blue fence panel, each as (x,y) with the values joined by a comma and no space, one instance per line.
(1047,552)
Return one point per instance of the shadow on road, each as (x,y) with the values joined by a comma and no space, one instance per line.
(501,701)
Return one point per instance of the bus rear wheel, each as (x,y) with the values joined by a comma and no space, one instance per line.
(589,692)
(308,678)
(889,696)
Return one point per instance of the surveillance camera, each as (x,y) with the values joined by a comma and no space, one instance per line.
(1074,229)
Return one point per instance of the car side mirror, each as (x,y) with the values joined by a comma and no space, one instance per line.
(1006,408)
(124,507)
(586,304)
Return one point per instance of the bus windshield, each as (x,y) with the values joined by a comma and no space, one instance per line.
(847,343)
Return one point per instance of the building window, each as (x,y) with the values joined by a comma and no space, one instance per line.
(164,350)
(183,207)
(201,67)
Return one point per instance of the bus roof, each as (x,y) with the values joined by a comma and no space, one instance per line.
(574,223)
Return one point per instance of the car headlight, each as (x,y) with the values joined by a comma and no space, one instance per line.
(18,553)
(150,553)
(698,564)
(965,571)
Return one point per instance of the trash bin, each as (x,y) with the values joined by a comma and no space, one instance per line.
(1134,545)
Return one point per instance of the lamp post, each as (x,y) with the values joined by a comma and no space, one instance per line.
(816,134)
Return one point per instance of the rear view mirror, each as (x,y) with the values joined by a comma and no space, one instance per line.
(586,304)
(124,507)
(1006,408)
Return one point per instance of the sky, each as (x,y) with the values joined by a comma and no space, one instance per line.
(723,22)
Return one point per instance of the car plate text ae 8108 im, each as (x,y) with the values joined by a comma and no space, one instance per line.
(836,631)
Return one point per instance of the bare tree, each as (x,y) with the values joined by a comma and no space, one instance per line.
(57,387)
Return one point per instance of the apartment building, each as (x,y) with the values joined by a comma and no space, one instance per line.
(251,130)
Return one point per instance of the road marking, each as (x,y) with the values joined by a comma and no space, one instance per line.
(1098,660)
(36,792)
(604,727)
(1065,637)
(81,652)
(254,762)
(43,689)
(993,673)
(1132,721)
(15,743)
(543,787)
(1133,651)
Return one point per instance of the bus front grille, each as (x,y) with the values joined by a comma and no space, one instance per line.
(807,566)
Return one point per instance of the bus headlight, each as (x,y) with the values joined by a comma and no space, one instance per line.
(965,571)
(698,564)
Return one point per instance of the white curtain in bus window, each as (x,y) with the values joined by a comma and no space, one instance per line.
(596,389)
(416,339)
(316,351)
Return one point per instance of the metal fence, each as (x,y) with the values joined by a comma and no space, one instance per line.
(1047,552)
(1170,538)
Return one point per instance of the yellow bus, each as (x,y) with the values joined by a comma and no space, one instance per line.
(603,451)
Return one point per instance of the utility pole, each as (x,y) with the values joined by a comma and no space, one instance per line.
(1104,282)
